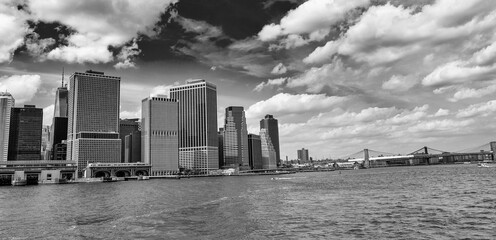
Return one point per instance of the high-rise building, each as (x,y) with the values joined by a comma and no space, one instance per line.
(303,155)
(268,151)
(198,141)
(255,151)
(271,124)
(160,141)
(235,138)
(126,127)
(220,136)
(25,133)
(6,105)
(58,131)
(45,143)
(132,147)
(93,124)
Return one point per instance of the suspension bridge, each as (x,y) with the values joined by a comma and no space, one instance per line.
(369,158)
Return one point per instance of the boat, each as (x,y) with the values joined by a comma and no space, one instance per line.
(487,165)
(19,182)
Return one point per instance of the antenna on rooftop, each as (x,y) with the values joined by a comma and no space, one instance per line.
(62,76)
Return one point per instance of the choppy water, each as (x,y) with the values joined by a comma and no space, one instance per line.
(439,202)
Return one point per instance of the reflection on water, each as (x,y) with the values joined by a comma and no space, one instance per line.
(439,202)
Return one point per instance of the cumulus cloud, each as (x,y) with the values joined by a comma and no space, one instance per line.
(458,72)
(270,83)
(98,25)
(312,18)
(12,29)
(442,112)
(279,69)
(479,109)
(466,93)
(22,87)
(126,56)
(285,103)
(400,82)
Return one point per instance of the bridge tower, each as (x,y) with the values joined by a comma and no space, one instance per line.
(366,160)
(493,149)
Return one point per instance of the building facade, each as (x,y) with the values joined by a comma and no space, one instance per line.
(268,151)
(220,136)
(58,131)
(6,104)
(303,156)
(271,125)
(255,151)
(160,141)
(126,127)
(132,146)
(235,138)
(93,119)
(25,133)
(198,141)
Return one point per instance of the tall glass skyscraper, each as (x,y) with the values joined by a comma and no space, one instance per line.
(235,138)
(6,105)
(271,125)
(159,128)
(26,125)
(93,124)
(268,151)
(198,142)
(58,131)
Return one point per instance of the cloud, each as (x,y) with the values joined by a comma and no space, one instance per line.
(387,33)
(98,25)
(12,29)
(442,112)
(458,72)
(466,93)
(22,87)
(162,90)
(279,69)
(48,115)
(479,109)
(285,104)
(126,56)
(270,83)
(130,114)
(400,82)
(313,18)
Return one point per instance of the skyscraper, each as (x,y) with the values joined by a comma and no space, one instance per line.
(198,149)
(126,127)
(132,147)
(160,142)
(6,105)
(268,151)
(255,151)
(220,136)
(303,155)
(235,138)
(93,124)
(271,124)
(25,133)
(58,131)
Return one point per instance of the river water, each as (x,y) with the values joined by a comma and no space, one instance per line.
(426,202)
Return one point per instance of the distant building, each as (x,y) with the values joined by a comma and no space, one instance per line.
(220,136)
(198,141)
(25,133)
(58,131)
(271,124)
(235,138)
(59,151)
(303,156)
(45,143)
(6,104)
(93,124)
(268,151)
(255,151)
(126,127)
(160,141)
(132,147)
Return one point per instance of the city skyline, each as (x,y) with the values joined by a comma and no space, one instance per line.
(371,74)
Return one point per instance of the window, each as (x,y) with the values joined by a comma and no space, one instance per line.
(49,176)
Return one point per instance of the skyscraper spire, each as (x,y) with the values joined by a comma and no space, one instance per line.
(62,77)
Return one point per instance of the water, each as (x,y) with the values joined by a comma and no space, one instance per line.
(438,202)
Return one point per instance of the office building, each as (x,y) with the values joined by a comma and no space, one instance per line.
(6,105)
(58,134)
(271,124)
(303,155)
(126,127)
(235,138)
(132,146)
(58,131)
(25,133)
(268,151)
(160,141)
(255,151)
(198,141)
(220,136)
(45,143)
(93,120)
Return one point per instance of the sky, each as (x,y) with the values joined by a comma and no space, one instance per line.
(339,75)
